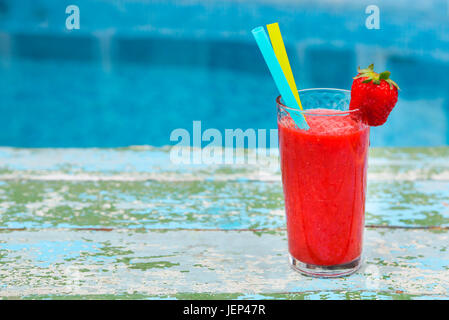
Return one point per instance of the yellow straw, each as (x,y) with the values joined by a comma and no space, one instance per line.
(281,55)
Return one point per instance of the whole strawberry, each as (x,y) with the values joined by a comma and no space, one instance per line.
(374,94)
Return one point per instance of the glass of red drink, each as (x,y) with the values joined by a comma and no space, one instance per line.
(324,182)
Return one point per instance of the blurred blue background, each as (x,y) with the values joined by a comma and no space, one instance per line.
(136,70)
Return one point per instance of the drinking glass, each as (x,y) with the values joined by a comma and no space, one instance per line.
(324,182)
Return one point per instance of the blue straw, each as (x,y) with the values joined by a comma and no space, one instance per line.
(278,76)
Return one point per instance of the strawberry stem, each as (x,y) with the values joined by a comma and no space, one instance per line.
(375,77)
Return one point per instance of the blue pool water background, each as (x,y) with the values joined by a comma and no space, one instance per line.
(136,70)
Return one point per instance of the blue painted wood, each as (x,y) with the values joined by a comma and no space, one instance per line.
(162,230)
(141,188)
(199,204)
(192,264)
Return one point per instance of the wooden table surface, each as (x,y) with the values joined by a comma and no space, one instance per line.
(129,223)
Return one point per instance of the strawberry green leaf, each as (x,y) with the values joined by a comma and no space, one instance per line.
(384,75)
(370,76)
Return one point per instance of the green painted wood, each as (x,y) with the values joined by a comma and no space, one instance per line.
(199,204)
(140,187)
(398,264)
(205,231)
(149,163)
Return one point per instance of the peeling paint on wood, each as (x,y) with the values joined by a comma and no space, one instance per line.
(149,163)
(195,204)
(128,223)
(397,263)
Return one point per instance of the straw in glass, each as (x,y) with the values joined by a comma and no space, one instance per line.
(278,76)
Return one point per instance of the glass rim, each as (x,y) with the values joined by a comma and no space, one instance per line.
(306,112)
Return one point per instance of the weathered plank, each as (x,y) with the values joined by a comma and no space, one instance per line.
(199,204)
(148,163)
(153,209)
(229,264)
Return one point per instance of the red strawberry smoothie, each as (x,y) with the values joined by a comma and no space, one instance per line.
(324,180)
